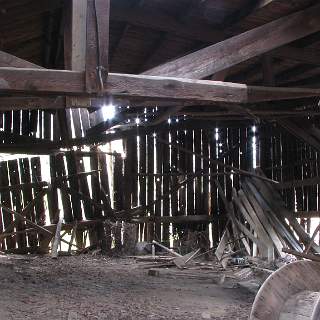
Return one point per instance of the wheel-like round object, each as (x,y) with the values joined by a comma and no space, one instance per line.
(292,292)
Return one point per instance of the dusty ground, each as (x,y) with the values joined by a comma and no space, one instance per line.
(87,287)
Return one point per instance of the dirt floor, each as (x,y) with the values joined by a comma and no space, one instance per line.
(89,287)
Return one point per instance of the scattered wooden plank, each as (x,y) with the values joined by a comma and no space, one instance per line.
(302,255)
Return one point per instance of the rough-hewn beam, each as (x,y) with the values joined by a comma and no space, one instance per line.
(57,82)
(230,52)
(97,49)
(29,103)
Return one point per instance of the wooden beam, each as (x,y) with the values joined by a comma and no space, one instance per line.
(57,82)
(176,219)
(298,183)
(75,40)
(29,103)
(307,214)
(97,44)
(257,41)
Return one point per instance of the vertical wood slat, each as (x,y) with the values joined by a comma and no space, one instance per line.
(6,201)
(84,188)
(118,194)
(74,186)
(198,168)
(104,179)
(27,197)
(298,176)
(235,153)
(65,197)
(17,205)
(189,169)
(166,166)
(52,194)
(105,196)
(150,186)
(36,177)
(182,169)
(95,183)
(214,193)
(313,173)
(206,171)
(142,179)
(222,145)
(174,179)
(158,187)
(229,161)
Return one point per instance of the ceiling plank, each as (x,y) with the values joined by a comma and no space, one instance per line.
(232,51)
(166,23)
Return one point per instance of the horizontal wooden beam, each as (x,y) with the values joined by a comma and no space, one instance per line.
(58,82)
(252,43)
(176,219)
(307,214)
(298,183)
(29,103)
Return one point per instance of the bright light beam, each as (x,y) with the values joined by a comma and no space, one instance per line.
(108,111)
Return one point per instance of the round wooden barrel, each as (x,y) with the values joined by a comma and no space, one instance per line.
(292,292)
(303,305)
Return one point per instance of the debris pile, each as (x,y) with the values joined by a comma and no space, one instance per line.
(259,223)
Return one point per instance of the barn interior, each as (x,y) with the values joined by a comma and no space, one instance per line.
(159,159)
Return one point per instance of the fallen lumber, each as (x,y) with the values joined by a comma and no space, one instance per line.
(308,256)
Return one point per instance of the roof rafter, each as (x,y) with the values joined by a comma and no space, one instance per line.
(252,43)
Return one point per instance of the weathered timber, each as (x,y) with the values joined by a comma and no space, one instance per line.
(98,12)
(38,81)
(257,41)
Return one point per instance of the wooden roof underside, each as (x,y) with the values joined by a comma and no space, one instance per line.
(144,34)
(147,33)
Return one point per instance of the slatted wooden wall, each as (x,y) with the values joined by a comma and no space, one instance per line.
(160,166)
(291,161)
(152,169)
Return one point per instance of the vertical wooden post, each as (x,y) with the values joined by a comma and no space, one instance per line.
(98,12)
(6,201)
(27,197)
(158,186)
(151,186)
(142,180)
(17,201)
(118,196)
(166,180)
